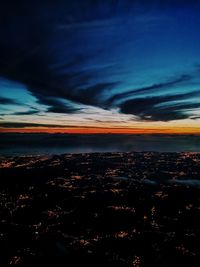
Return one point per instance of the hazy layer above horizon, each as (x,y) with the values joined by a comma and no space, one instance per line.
(33,144)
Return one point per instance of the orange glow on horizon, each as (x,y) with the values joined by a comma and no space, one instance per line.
(82,130)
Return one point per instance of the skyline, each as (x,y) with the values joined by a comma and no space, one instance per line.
(100,67)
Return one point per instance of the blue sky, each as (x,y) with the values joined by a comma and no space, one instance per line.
(98,63)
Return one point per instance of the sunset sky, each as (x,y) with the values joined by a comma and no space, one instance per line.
(88,66)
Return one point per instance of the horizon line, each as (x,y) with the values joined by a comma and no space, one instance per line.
(96,130)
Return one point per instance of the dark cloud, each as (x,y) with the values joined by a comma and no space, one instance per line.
(149,89)
(195,117)
(28,112)
(33,52)
(160,108)
(93,95)
(58,106)
(8,101)
(45,83)
(9,124)
(26,124)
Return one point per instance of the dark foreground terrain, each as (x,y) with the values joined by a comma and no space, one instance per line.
(104,209)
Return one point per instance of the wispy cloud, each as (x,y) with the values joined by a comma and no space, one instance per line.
(26,124)
(28,112)
(148,89)
(152,108)
(8,101)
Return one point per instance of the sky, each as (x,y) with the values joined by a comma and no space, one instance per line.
(100,66)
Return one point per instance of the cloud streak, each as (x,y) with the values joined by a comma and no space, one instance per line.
(159,108)
(27,124)
(8,101)
(149,89)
